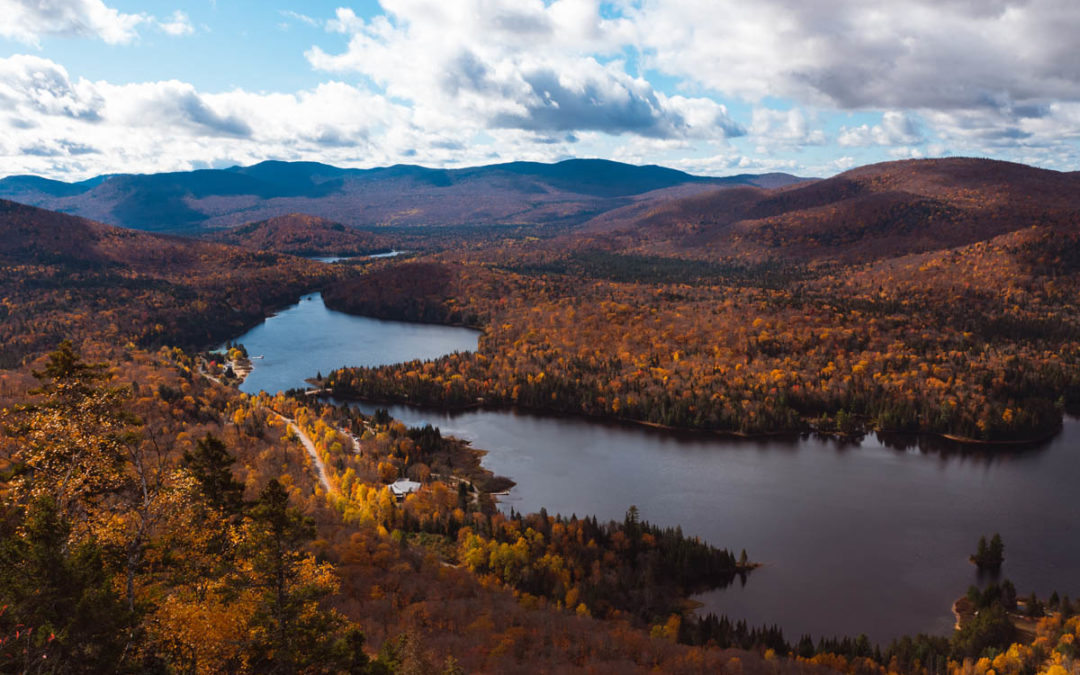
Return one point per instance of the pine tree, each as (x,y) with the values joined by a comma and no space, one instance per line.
(59,595)
(291,631)
(996,552)
(989,557)
(211,464)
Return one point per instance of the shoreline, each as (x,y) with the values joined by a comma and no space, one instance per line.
(961,441)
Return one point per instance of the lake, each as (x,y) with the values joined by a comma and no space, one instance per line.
(308,338)
(854,537)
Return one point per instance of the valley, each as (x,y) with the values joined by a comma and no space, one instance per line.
(785,403)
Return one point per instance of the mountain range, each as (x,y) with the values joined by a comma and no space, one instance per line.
(517,193)
(871,212)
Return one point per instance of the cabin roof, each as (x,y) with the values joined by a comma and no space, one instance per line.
(404,486)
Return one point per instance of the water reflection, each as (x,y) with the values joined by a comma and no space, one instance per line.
(349,258)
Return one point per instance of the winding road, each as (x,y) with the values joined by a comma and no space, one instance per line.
(320,467)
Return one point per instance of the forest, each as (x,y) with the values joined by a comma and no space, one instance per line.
(942,342)
(109,458)
(303,235)
(63,277)
(111,455)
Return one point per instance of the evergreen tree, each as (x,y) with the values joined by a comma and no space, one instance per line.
(989,556)
(1008,595)
(996,551)
(1033,607)
(211,464)
(991,629)
(292,631)
(58,595)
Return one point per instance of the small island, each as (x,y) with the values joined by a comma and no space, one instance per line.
(989,557)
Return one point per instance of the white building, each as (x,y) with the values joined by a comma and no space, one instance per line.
(403,487)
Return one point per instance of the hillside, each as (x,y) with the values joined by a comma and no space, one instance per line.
(978,341)
(876,211)
(67,277)
(561,194)
(304,235)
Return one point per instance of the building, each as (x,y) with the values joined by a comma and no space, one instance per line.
(403,487)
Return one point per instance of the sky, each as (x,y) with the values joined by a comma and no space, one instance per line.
(713,87)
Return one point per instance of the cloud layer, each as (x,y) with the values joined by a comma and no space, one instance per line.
(730,85)
(518,64)
(28,21)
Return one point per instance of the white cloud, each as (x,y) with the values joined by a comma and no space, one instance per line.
(32,87)
(842,163)
(476,81)
(896,128)
(784,129)
(853,54)
(57,125)
(176,25)
(906,153)
(515,64)
(29,20)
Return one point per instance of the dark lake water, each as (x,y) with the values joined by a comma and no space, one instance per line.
(307,338)
(854,537)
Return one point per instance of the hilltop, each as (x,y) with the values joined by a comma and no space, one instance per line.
(304,235)
(63,276)
(923,296)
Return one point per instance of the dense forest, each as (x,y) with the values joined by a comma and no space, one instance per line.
(976,343)
(109,457)
(109,461)
(868,213)
(303,235)
(110,451)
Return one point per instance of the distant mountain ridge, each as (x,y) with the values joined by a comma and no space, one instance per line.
(515,193)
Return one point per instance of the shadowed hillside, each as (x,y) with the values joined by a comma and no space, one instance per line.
(68,277)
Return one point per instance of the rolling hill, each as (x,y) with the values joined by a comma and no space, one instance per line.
(566,193)
(304,235)
(876,211)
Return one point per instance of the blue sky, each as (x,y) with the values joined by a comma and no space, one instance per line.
(729,86)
